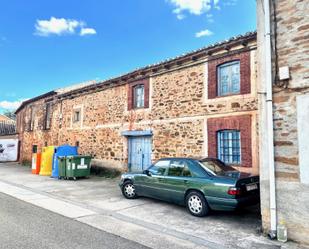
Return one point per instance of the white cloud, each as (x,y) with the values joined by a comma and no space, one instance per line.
(56,26)
(210,18)
(87,31)
(10,105)
(216,4)
(230,2)
(198,7)
(205,32)
(180,16)
(60,26)
(195,7)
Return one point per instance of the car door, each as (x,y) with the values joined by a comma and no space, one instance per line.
(150,184)
(176,181)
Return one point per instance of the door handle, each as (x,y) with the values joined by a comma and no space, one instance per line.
(160,180)
(185,181)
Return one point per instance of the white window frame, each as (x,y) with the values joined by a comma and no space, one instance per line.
(230,146)
(75,120)
(138,101)
(230,85)
(76,124)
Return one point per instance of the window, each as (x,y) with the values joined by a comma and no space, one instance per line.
(32,117)
(215,166)
(196,170)
(229,78)
(229,146)
(47,120)
(186,171)
(34,148)
(138,96)
(76,116)
(159,168)
(179,168)
(176,168)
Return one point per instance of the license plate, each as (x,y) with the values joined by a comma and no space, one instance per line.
(251,187)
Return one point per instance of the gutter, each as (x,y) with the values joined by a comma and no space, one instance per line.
(269,117)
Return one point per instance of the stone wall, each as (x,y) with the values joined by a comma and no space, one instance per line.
(176,112)
(291,33)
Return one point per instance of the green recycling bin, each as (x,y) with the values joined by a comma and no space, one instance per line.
(77,166)
(62,166)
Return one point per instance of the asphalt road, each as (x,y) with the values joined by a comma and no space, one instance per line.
(23,225)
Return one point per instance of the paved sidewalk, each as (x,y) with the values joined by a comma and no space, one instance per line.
(98,202)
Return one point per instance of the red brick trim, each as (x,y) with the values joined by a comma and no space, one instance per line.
(144,82)
(245,73)
(242,123)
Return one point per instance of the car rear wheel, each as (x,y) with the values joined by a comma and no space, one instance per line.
(197,204)
(128,190)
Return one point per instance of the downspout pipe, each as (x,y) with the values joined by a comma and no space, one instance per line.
(269,118)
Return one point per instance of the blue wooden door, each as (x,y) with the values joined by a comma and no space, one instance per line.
(139,153)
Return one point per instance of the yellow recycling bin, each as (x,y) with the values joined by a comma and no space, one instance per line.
(47,160)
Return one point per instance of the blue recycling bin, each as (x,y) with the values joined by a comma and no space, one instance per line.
(63,150)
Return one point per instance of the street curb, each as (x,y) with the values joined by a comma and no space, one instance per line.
(169,238)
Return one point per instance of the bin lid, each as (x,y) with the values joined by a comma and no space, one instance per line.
(79,156)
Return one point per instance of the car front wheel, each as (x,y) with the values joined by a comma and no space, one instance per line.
(197,204)
(128,190)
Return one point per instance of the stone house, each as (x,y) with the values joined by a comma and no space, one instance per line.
(4,118)
(7,127)
(287,201)
(203,103)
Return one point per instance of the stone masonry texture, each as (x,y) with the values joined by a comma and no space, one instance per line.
(177,108)
(290,35)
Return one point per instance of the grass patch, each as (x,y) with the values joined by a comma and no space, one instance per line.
(26,163)
(105,172)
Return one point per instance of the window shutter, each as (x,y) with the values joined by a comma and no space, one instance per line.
(245,73)
(146,92)
(131,86)
(130,97)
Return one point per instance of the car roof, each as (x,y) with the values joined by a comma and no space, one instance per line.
(190,158)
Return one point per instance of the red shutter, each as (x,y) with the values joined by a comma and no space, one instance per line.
(146,92)
(144,82)
(245,73)
(130,97)
(241,123)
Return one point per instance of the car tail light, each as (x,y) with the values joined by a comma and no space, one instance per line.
(234,191)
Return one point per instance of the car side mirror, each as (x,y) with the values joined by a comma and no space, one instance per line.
(147,172)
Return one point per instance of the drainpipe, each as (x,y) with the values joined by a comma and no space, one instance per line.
(269,118)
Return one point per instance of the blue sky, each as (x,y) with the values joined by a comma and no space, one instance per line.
(45,45)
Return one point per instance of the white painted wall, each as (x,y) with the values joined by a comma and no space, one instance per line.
(8,150)
(303,136)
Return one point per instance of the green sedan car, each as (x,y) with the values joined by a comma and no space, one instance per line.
(199,184)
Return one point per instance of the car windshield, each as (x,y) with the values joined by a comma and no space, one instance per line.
(216,167)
